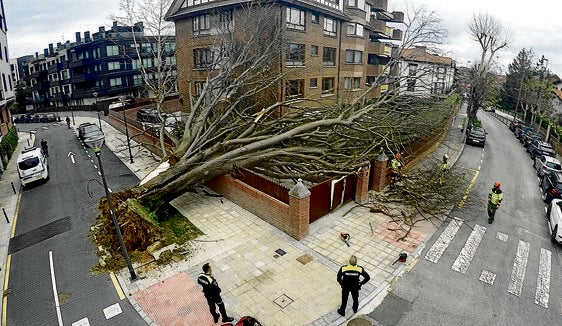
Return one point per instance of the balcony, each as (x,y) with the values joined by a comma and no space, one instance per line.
(81,62)
(377,26)
(374,70)
(379,4)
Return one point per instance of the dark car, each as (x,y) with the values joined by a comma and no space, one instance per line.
(528,137)
(36,118)
(521,130)
(149,116)
(88,129)
(514,124)
(476,136)
(538,147)
(49,117)
(551,186)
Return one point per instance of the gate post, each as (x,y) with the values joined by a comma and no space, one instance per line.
(381,172)
(299,210)
(362,186)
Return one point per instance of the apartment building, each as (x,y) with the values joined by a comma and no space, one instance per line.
(424,73)
(6,85)
(95,68)
(334,49)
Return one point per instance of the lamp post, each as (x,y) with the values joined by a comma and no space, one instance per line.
(126,130)
(95,94)
(96,142)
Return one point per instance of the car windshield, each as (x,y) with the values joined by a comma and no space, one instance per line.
(478,132)
(90,128)
(28,163)
(545,147)
(553,166)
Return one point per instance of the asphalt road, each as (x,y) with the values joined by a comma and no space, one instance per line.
(50,280)
(475,273)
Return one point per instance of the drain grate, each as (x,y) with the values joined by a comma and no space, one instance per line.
(283,301)
(42,233)
(280,252)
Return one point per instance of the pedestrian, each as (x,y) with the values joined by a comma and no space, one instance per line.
(68,122)
(212,293)
(395,168)
(443,168)
(494,200)
(349,278)
(44,147)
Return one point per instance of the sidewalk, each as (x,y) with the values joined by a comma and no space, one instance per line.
(262,271)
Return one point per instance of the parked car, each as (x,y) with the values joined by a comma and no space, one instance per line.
(543,163)
(149,115)
(551,186)
(528,137)
(88,129)
(520,130)
(554,218)
(32,166)
(538,147)
(49,117)
(514,123)
(36,118)
(476,136)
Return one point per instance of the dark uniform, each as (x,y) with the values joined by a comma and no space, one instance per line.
(212,291)
(349,280)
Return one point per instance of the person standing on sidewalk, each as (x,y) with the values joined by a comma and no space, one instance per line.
(494,200)
(349,278)
(212,293)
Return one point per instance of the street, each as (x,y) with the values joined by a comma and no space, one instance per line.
(475,273)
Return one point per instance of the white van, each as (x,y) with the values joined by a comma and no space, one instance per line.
(32,166)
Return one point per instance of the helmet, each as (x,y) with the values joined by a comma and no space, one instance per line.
(445,157)
(397,155)
(497,184)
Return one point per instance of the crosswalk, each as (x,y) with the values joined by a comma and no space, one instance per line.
(520,260)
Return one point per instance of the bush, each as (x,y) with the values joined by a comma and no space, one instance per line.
(8,145)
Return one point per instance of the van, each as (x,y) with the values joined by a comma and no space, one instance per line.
(32,166)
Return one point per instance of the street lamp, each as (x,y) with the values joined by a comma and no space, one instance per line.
(126,130)
(96,142)
(95,94)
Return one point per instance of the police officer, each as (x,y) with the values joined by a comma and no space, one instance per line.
(494,200)
(349,278)
(212,291)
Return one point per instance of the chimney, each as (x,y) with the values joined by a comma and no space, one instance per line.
(87,36)
(101,29)
(59,44)
(51,50)
(36,54)
(114,24)
(46,52)
(78,38)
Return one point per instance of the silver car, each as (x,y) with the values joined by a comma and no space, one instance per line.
(549,163)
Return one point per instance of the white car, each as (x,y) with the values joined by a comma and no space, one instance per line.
(543,163)
(32,166)
(554,217)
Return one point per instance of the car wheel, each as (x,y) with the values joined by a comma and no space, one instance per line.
(547,210)
(544,195)
(553,234)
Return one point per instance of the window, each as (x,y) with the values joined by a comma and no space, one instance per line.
(147,62)
(170,47)
(137,79)
(329,56)
(295,19)
(353,56)
(111,50)
(371,80)
(356,3)
(294,88)
(373,59)
(355,29)
(351,83)
(314,50)
(411,85)
(412,69)
(201,24)
(313,82)
(315,18)
(64,74)
(113,65)
(294,55)
(147,48)
(202,58)
(170,61)
(329,27)
(135,64)
(115,81)
(328,85)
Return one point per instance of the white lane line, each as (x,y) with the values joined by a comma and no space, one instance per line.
(112,311)
(438,248)
(543,279)
(55,292)
(487,277)
(469,250)
(518,270)
(82,322)
(502,236)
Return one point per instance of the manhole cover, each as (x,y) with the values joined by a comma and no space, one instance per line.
(283,301)
(280,252)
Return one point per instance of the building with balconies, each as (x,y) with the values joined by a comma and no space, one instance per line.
(333,49)
(424,74)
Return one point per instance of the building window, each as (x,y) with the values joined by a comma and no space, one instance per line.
(412,69)
(147,62)
(294,55)
(295,18)
(294,88)
(113,65)
(202,58)
(328,85)
(411,85)
(355,29)
(115,81)
(352,83)
(371,80)
(111,50)
(137,79)
(315,18)
(329,56)
(170,61)
(360,4)
(353,56)
(314,50)
(135,64)
(202,25)
(313,82)
(329,27)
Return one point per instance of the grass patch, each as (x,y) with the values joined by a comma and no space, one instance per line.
(174,227)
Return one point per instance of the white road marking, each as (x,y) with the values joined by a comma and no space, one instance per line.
(543,279)
(518,270)
(55,292)
(112,311)
(502,236)
(82,322)
(438,248)
(469,250)
(487,277)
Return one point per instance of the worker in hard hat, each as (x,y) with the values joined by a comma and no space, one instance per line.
(395,168)
(494,200)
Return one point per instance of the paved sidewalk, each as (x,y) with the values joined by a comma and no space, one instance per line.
(262,271)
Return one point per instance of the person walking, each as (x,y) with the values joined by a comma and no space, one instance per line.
(212,292)
(349,278)
(68,122)
(44,147)
(494,200)
(443,168)
(395,168)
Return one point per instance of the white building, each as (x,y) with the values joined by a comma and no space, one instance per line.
(423,73)
(6,85)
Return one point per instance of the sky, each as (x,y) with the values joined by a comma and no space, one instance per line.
(537,25)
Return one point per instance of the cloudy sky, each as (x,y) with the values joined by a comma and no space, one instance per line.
(537,25)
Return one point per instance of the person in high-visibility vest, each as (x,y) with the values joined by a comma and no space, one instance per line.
(443,168)
(494,200)
(395,168)
(212,293)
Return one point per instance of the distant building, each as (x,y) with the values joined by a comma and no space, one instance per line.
(6,85)
(96,68)
(424,73)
